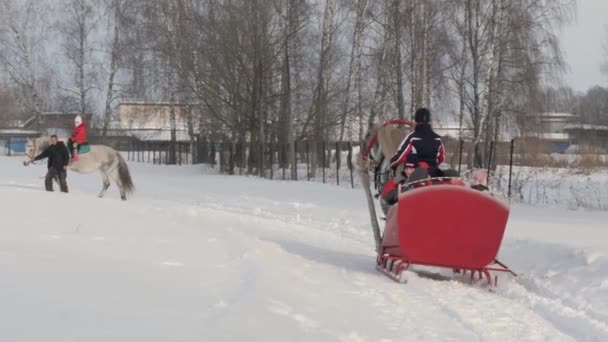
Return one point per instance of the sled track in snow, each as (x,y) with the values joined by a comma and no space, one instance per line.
(528,293)
(563,314)
(21,186)
(520,299)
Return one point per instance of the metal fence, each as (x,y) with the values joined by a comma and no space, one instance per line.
(320,161)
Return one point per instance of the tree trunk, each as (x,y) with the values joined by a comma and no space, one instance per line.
(354,68)
(320,127)
(398,62)
(413,59)
(114,53)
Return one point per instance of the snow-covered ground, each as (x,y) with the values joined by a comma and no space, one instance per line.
(195,256)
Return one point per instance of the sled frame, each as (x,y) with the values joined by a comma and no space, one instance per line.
(394,266)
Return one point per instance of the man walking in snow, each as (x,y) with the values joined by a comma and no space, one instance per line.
(58,159)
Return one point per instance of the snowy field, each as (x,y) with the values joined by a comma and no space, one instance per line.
(195,256)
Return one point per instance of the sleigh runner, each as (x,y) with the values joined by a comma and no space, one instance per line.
(438,222)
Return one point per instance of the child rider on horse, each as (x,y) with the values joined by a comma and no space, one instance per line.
(78,138)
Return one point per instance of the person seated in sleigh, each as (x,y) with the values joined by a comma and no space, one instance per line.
(390,191)
(423,142)
(78,139)
(479,180)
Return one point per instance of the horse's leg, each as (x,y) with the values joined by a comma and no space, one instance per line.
(116,179)
(106,183)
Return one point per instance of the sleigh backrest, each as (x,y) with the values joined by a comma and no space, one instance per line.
(448,226)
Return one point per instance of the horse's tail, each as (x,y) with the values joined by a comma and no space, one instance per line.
(124,175)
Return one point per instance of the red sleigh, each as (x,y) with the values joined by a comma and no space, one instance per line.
(443,224)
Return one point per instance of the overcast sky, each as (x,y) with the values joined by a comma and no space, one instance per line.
(582,43)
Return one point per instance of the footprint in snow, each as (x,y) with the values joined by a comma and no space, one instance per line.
(172,264)
(220,305)
(282,309)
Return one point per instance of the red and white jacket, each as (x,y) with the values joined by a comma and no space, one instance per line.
(79,135)
(425,143)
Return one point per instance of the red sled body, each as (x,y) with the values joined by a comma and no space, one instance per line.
(440,222)
(443,225)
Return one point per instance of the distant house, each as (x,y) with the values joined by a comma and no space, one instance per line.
(152,115)
(588,135)
(61,120)
(152,121)
(549,129)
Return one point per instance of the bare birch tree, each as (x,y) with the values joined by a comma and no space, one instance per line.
(355,73)
(77,29)
(22,30)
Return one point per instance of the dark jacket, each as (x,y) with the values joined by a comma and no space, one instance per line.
(57,155)
(423,142)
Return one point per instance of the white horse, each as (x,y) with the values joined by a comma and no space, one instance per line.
(100,158)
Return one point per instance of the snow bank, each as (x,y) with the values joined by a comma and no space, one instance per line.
(198,256)
(556,187)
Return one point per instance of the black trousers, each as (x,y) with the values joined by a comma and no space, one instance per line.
(59,175)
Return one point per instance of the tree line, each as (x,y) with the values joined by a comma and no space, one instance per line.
(285,71)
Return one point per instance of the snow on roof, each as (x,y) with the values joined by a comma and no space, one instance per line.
(17,131)
(20,123)
(158,135)
(586,127)
(156,103)
(550,136)
(554,115)
(63,113)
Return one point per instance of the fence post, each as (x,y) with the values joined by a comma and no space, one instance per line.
(242,155)
(338,157)
(179,150)
(285,158)
(349,163)
(153,147)
(9,146)
(271,161)
(295,167)
(148,144)
(460,155)
(323,156)
(169,157)
(308,159)
(232,159)
(490,161)
(511,164)
(260,159)
(189,150)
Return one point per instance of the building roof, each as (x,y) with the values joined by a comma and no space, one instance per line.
(18,132)
(550,136)
(555,115)
(149,134)
(156,104)
(159,135)
(585,127)
(63,113)
(21,123)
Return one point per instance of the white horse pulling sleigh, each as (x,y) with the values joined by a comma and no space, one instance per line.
(100,158)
